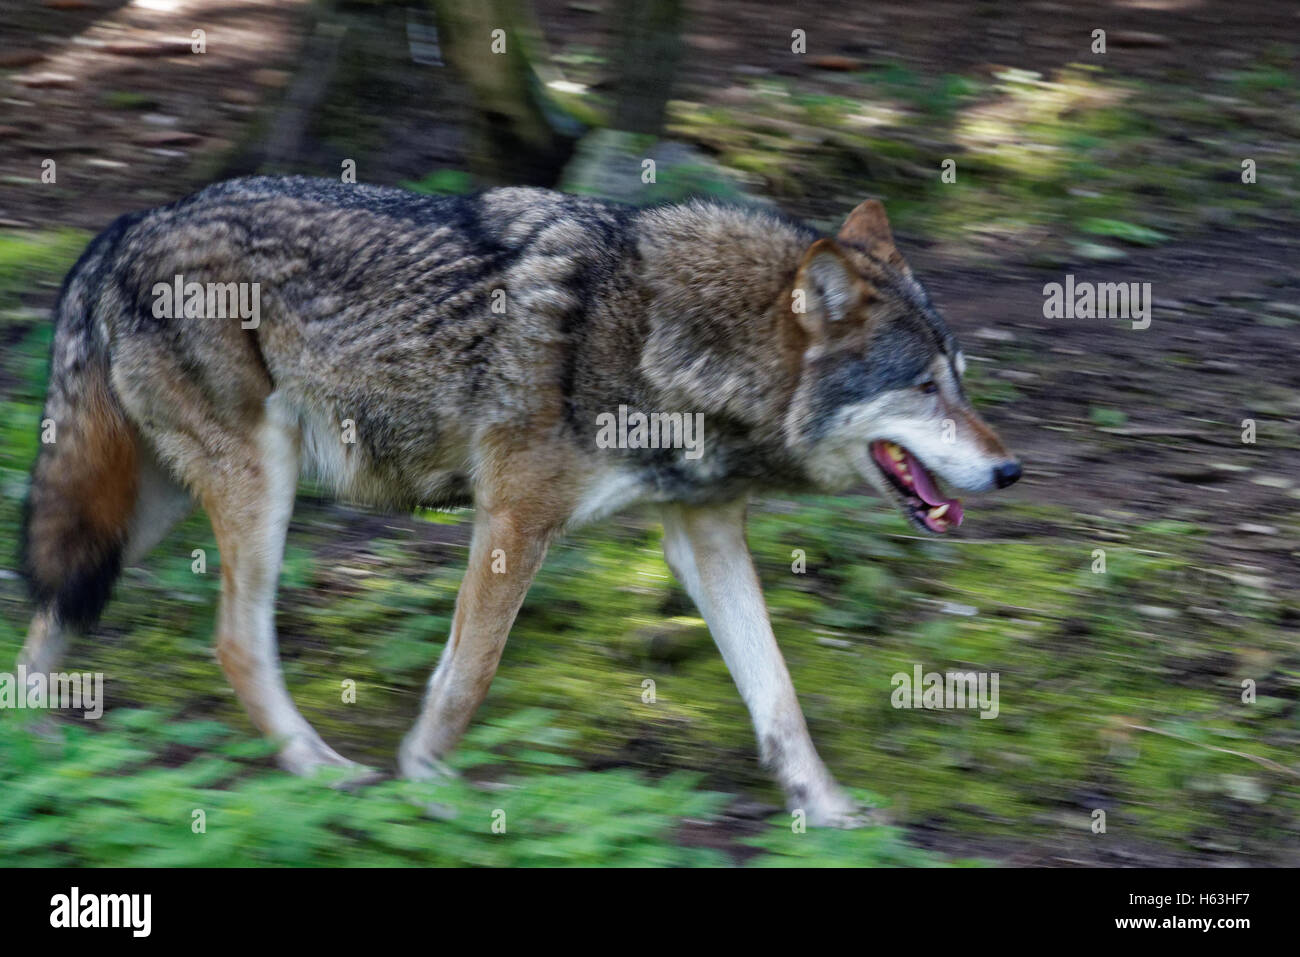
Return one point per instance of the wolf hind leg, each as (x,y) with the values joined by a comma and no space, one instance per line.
(250,509)
(46,642)
(160,503)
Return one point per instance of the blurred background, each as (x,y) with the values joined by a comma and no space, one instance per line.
(1121,691)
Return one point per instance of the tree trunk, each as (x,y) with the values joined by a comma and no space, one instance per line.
(651,32)
(516,134)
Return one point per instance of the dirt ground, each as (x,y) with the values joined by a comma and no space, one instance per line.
(69,67)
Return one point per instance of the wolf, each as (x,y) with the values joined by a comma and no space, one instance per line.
(413,351)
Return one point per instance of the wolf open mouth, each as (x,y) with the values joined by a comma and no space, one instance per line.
(917,492)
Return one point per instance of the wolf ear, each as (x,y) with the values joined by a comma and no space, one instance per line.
(868,227)
(825,287)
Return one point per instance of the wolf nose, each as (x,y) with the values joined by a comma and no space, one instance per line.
(1006,474)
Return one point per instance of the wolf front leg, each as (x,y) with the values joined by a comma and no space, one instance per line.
(706,549)
(504,555)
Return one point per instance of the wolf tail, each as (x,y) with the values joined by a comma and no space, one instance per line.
(84,482)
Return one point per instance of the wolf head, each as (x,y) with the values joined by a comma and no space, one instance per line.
(880,392)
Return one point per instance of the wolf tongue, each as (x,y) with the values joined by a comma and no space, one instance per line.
(924,485)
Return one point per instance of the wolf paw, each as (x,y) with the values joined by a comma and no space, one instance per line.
(841,811)
(358,777)
(420,767)
(304,756)
(849,820)
(46,728)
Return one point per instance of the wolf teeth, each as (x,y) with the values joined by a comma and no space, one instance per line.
(895,452)
(938,511)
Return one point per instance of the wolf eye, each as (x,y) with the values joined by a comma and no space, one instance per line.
(928,388)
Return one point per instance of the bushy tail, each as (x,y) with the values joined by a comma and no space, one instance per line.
(84,482)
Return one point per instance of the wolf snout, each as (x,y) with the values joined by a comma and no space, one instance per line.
(1006,474)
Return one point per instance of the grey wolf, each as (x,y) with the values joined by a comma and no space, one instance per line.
(415,351)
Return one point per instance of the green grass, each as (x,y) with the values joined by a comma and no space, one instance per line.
(442,182)
(148,790)
(105,798)
(29,259)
